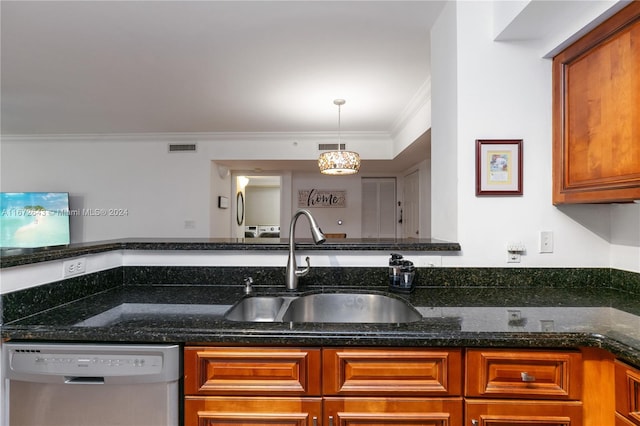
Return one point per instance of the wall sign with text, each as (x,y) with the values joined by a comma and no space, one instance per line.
(321,198)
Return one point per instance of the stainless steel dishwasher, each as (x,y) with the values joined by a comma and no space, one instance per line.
(51,384)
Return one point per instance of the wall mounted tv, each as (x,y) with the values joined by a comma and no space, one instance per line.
(34,219)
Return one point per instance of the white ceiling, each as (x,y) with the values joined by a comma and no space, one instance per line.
(78,67)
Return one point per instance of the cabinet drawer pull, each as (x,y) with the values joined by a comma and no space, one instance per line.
(474,422)
(527,378)
(330,420)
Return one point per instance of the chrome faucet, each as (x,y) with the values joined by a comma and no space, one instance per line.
(318,237)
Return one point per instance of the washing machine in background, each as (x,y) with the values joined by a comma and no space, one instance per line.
(269,231)
(250,231)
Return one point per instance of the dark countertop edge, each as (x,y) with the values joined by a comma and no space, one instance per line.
(623,351)
(18,257)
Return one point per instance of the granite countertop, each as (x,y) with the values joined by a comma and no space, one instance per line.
(17,257)
(453,317)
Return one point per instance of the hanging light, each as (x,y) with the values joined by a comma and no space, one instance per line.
(339,162)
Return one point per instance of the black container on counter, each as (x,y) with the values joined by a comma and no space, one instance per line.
(402,274)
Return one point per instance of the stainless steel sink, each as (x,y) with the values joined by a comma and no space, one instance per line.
(256,309)
(350,307)
(324,308)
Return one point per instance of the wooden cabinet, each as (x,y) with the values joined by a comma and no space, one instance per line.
(356,386)
(385,371)
(328,387)
(627,394)
(388,386)
(517,387)
(254,371)
(267,411)
(252,386)
(523,413)
(392,411)
(596,114)
(524,374)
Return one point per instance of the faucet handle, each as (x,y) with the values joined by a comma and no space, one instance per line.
(304,271)
(247,283)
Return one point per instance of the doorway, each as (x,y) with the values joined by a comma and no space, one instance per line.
(262,206)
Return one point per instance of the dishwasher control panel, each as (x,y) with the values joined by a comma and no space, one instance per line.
(94,364)
(90,363)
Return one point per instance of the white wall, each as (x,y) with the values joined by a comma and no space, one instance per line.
(502,90)
(162,194)
(480,89)
(262,205)
(220,186)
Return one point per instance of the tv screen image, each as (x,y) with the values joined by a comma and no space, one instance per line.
(34,219)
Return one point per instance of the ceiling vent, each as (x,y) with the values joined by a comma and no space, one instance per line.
(182,147)
(330,146)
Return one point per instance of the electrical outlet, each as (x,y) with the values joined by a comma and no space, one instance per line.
(546,242)
(73,267)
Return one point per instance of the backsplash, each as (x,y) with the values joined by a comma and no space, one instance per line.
(27,302)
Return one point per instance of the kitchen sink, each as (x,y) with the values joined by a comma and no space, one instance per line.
(324,308)
(256,309)
(350,307)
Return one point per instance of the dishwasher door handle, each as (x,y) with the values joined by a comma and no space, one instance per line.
(80,380)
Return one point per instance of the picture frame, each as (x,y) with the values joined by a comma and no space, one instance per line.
(498,167)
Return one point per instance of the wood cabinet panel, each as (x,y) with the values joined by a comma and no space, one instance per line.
(623,421)
(596,111)
(628,392)
(523,413)
(388,371)
(339,411)
(524,374)
(251,371)
(227,411)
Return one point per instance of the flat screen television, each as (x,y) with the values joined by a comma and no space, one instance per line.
(34,219)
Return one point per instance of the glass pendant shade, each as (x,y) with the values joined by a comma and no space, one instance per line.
(339,163)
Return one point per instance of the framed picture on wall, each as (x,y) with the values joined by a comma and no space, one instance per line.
(498,167)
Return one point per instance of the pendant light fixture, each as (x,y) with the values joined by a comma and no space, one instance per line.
(339,162)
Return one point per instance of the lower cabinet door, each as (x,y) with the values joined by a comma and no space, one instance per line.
(523,413)
(221,411)
(622,421)
(392,411)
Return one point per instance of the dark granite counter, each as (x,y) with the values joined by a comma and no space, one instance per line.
(467,316)
(17,257)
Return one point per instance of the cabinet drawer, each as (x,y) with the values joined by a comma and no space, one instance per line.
(210,411)
(392,411)
(628,392)
(371,371)
(523,413)
(251,371)
(524,374)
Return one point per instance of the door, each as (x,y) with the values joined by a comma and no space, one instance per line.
(378,207)
(411,207)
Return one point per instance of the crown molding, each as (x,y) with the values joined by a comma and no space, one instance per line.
(195,137)
(419,100)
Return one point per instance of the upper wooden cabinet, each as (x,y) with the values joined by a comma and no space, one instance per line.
(596,114)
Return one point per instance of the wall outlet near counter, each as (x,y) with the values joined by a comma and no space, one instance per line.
(74,267)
